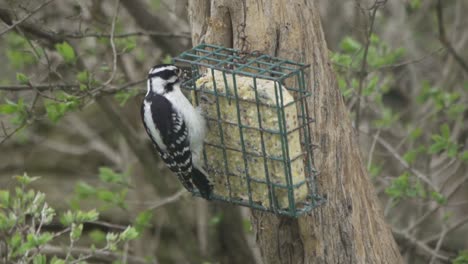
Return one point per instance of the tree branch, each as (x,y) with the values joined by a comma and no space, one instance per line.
(14,24)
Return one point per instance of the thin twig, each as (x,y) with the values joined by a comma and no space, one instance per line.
(438,245)
(371,151)
(108,225)
(363,72)
(126,35)
(410,61)
(114,51)
(168,200)
(25,17)
(121,87)
(13,132)
(95,254)
(452,228)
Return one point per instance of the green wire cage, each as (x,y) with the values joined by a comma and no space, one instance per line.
(258,148)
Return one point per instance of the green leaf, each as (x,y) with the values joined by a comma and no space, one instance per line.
(8,109)
(415,4)
(4,199)
(33,240)
(455,110)
(440,143)
(97,236)
(167,59)
(108,175)
(387,118)
(18,51)
(438,197)
(464,155)
(342,59)
(375,170)
(15,241)
(22,78)
(124,95)
(415,133)
(405,186)
(120,198)
(66,51)
(417,190)
(89,216)
(84,190)
(56,110)
(25,179)
(128,234)
(40,259)
(7,221)
(371,86)
(111,239)
(44,238)
(397,188)
(56,260)
(106,196)
(19,109)
(411,155)
(83,77)
(76,231)
(125,45)
(142,220)
(462,258)
(427,92)
(452,150)
(67,218)
(374,39)
(350,45)
(445,131)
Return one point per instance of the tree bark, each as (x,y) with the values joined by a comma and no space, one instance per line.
(349,227)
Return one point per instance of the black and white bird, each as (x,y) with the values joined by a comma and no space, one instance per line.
(176,128)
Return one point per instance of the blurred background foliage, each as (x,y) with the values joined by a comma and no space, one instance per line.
(72,80)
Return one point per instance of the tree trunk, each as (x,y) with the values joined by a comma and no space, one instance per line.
(349,227)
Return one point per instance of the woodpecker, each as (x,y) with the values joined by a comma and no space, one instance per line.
(176,128)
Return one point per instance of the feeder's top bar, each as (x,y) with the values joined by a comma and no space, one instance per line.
(237,62)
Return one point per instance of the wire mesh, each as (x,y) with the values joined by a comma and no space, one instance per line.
(258,149)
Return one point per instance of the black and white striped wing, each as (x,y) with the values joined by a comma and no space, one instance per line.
(170,137)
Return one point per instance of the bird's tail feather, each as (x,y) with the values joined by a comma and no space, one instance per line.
(201,181)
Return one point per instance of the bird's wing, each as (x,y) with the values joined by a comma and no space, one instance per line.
(170,138)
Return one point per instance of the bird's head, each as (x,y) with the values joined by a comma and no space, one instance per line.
(163,78)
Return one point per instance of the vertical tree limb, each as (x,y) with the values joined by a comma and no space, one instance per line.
(350,227)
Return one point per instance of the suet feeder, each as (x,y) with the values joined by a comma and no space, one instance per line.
(258,148)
